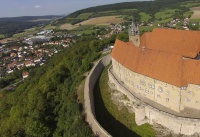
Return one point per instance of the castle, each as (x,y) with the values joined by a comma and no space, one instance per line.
(160,72)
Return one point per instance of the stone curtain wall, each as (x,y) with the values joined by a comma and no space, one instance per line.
(89,99)
(145,113)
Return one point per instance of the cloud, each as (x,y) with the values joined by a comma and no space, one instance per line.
(37,6)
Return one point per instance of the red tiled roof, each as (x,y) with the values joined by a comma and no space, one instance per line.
(166,66)
(181,42)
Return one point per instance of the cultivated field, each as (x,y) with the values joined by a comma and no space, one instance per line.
(196,14)
(106,20)
(68,26)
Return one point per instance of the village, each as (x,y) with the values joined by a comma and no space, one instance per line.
(30,52)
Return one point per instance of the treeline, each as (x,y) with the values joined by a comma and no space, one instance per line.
(149,7)
(11,26)
(45,104)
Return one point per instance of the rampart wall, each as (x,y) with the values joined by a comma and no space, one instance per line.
(88,96)
(149,114)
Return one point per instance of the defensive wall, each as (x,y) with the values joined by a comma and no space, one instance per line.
(145,113)
(89,99)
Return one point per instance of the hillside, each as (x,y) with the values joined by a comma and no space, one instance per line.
(12,25)
(46,103)
(150,13)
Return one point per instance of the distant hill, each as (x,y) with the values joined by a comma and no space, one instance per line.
(13,25)
(125,8)
(28,18)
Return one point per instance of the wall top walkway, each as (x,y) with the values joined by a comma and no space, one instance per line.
(88,96)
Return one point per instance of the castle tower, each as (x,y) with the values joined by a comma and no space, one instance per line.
(134,34)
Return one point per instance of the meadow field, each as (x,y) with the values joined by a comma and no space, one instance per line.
(106,20)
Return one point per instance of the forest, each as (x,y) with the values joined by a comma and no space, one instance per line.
(45,104)
(13,25)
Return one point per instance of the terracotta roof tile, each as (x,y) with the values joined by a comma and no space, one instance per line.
(184,43)
(162,57)
(191,71)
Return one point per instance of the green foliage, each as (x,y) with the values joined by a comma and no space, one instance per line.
(123,36)
(45,104)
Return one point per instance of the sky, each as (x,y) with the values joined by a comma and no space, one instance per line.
(16,8)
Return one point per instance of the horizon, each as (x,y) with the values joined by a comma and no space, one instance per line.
(22,8)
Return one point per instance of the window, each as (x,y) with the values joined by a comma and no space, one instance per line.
(142,82)
(138,87)
(151,85)
(187,100)
(160,89)
(158,96)
(183,88)
(147,90)
(168,92)
(189,92)
(166,85)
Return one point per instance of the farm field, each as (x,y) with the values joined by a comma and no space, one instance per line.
(68,26)
(1,36)
(165,14)
(196,14)
(106,20)
(84,15)
(144,16)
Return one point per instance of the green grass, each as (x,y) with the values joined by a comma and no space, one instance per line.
(146,28)
(83,27)
(144,16)
(165,14)
(26,32)
(49,27)
(189,13)
(194,20)
(83,15)
(2,36)
(117,123)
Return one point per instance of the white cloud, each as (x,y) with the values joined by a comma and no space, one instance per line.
(37,6)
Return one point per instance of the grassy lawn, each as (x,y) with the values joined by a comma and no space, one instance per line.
(165,14)
(117,123)
(144,16)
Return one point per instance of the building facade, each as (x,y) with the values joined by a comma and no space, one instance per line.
(162,70)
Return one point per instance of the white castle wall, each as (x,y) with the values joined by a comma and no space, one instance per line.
(151,115)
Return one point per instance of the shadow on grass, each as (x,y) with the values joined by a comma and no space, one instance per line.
(106,120)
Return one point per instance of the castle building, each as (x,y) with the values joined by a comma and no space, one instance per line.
(162,69)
